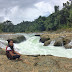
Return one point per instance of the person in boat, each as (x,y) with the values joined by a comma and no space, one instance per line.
(10,52)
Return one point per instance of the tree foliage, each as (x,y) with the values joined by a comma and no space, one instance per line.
(57,20)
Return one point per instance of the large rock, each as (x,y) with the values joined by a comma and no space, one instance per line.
(46,43)
(68,46)
(16,38)
(66,40)
(37,64)
(19,39)
(58,42)
(44,38)
(62,41)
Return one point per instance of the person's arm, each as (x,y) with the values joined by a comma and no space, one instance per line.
(12,54)
(10,51)
(17,53)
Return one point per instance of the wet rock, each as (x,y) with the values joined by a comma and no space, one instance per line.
(16,38)
(67,46)
(44,38)
(60,39)
(58,42)
(46,43)
(37,35)
(66,40)
(19,39)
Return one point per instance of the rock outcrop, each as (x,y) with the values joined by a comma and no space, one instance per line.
(46,43)
(44,38)
(16,38)
(19,39)
(66,40)
(67,46)
(58,42)
(43,63)
(60,39)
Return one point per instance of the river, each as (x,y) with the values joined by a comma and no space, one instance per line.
(32,46)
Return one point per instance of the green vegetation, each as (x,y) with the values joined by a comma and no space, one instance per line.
(60,19)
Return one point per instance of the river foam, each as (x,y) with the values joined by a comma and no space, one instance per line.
(32,46)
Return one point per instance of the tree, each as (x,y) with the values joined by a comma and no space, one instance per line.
(56,8)
(68,3)
(63,5)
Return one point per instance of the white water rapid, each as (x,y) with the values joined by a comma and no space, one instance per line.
(32,46)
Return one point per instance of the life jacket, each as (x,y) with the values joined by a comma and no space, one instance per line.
(8,54)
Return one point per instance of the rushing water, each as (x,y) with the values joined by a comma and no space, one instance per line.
(32,46)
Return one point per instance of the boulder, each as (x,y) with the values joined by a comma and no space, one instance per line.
(62,41)
(58,42)
(16,38)
(44,38)
(19,39)
(67,46)
(46,43)
(66,40)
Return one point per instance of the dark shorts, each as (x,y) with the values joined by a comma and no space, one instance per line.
(16,56)
(12,57)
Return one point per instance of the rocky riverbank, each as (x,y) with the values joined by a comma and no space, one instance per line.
(37,64)
(16,38)
(61,39)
